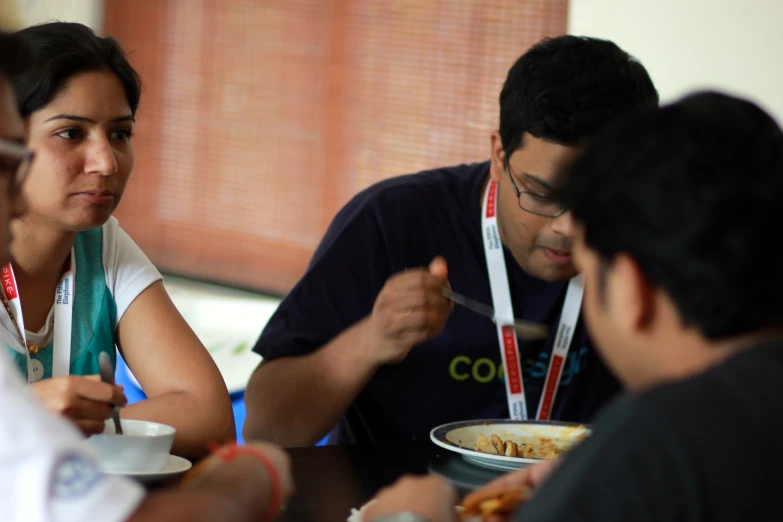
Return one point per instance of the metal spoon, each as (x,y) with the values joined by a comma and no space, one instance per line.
(525,329)
(107,376)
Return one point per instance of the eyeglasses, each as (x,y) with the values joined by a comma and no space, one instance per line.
(537,204)
(15,161)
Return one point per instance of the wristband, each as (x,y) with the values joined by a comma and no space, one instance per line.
(229,452)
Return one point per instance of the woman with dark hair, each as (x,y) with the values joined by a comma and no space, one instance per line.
(77,284)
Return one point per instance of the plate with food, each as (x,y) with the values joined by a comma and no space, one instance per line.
(508,444)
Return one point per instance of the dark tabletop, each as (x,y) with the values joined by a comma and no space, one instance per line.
(330,480)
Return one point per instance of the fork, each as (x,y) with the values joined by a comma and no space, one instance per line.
(525,329)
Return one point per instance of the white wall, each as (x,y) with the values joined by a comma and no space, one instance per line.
(732,45)
(16,14)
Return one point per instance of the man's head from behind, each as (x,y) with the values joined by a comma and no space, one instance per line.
(676,211)
(559,93)
(15,56)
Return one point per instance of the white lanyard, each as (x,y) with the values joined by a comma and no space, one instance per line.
(504,313)
(63,314)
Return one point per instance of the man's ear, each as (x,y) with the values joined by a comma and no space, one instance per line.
(630,293)
(497,155)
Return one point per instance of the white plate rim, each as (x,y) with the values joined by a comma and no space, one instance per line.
(438,436)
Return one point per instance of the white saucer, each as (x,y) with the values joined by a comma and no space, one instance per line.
(174,466)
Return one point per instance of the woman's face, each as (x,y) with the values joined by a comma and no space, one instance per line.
(83,153)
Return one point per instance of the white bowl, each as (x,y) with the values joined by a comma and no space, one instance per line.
(143,447)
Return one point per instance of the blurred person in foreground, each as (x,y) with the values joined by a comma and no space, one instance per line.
(673,211)
(47,473)
(364,341)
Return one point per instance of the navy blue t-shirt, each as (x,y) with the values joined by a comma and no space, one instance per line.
(403,223)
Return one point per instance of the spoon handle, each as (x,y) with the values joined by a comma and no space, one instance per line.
(107,376)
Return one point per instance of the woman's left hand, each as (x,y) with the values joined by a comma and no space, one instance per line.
(84,400)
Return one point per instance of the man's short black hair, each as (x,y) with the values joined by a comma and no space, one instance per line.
(693,192)
(565,89)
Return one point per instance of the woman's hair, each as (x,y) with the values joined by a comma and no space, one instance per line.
(15,55)
(62,50)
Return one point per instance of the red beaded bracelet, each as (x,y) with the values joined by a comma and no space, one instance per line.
(228,452)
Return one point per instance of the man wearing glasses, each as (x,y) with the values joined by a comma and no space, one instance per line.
(682,312)
(367,340)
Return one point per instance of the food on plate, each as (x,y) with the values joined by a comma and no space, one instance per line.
(542,448)
(485,446)
(499,445)
(496,502)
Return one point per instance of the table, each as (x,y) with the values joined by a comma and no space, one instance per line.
(330,480)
